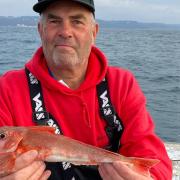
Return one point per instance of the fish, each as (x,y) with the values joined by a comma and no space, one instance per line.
(51,147)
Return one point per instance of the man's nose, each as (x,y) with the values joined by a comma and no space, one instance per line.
(65,30)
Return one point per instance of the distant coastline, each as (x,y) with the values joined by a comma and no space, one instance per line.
(24,21)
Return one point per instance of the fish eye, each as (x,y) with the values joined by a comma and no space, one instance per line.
(2,135)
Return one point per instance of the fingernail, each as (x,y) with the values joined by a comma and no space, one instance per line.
(48,173)
(40,163)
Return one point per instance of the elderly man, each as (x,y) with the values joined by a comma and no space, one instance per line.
(68,85)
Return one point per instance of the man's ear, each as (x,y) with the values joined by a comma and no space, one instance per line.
(95,32)
(40,29)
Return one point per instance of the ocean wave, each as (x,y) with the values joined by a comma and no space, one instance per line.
(152,56)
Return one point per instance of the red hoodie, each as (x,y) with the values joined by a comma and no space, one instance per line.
(77,111)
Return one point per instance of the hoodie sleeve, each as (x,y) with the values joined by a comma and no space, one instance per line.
(139,138)
(5,101)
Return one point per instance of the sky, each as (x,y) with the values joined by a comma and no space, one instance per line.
(163,11)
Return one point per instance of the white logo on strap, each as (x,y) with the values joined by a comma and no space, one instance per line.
(107,111)
(66,165)
(117,122)
(51,123)
(33,80)
(38,107)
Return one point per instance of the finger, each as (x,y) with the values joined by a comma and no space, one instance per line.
(24,173)
(101,172)
(38,173)
(25,159)
(45,175)
(127,173)
(27,172)
(108,172)
(123,169)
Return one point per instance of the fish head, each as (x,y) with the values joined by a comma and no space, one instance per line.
(10,137)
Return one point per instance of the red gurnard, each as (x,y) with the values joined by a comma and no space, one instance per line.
(57,148)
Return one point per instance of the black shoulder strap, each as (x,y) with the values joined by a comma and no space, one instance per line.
(42,117)
(114,128)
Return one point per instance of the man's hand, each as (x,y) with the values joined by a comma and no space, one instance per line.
(28,169)
(119,171)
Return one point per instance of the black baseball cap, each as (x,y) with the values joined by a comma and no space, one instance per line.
(42,4)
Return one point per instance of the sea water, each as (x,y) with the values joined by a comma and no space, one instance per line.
(153,55)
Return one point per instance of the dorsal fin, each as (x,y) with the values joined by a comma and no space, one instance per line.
(42,128)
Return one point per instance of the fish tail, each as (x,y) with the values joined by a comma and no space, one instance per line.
(143,166)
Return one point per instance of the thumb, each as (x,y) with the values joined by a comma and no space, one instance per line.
(25,159)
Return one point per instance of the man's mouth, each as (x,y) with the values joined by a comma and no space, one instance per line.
(63,46)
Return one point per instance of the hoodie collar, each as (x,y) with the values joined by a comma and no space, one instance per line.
(96,71)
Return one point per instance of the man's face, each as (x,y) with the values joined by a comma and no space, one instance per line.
(67,31)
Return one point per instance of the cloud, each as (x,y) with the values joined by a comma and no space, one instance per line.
(115,3)
(139,4)
(16,8)
(166,11)
(141,10)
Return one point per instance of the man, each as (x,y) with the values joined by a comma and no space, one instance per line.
(71,70)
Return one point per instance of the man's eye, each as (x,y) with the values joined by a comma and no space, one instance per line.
(54,21)
(77,22)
